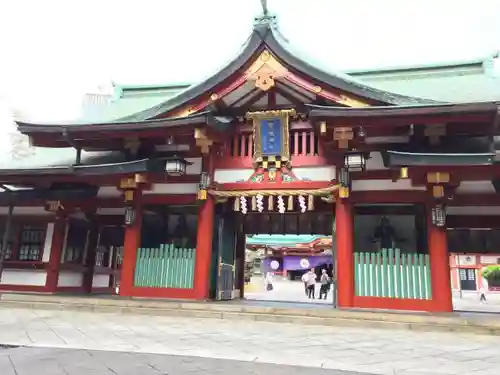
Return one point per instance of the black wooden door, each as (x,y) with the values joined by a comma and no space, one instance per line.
(226,258)
(467,278)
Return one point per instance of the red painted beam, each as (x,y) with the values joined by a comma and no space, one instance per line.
(296,185)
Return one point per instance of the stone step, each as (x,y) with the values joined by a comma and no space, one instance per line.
(242,311)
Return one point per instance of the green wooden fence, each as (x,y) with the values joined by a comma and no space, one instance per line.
(165,267)
(391,274)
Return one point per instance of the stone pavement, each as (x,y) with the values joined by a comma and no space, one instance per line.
(49,361)
(397,352)
(293,291)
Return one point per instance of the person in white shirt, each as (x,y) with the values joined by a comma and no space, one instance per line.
(483,291)
(304,279)
(311,283)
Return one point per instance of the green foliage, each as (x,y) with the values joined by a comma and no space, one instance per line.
(492,273)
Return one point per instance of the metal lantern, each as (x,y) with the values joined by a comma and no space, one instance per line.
(175,166)
(344,178)
(438,216)
(355,162)
(204,180)
(129,216)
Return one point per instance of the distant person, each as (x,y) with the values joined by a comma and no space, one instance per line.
(483,291)
(325,284)
(269,281)
(304,279)
(311,283)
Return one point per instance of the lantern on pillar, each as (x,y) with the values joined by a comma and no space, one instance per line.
(203,186)
(438,216)
(129,216)
(345,183)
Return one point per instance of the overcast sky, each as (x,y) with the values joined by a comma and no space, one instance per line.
(53,51)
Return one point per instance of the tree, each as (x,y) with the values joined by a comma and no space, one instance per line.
(492,273)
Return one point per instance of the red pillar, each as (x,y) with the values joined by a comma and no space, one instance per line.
(345,252)
(55,254)
(440,267)
(131,243)
(204,248)
(204,238)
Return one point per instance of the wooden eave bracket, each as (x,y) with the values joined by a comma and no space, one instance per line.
(202,140)
(435,132)
(343,135)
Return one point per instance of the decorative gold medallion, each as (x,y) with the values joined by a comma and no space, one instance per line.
(265,70)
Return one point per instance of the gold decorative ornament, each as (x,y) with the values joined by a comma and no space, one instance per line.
(128,183)
(343,192)
(438,177)
(350,102)
(403,173)
(265,70)
(128,195)
(317,89)
(214,97)
(438,191)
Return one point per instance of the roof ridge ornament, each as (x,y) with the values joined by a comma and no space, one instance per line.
(265,18)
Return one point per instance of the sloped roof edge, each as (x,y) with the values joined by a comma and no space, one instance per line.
(265,34)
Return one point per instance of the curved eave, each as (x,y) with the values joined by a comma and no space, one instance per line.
(266,35)
(136,166)
(407,159)
(279,47)
(250,49)
(120,126)
(487,108)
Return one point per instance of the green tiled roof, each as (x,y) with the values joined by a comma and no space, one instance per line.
(130,99)
(464,81)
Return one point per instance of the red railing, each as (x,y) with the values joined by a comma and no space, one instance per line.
(305,150)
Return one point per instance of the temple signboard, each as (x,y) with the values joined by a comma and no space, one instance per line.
(271,138)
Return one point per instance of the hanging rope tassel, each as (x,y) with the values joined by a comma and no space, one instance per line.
(236,205)
(290,203)
(270,204)
(254,203)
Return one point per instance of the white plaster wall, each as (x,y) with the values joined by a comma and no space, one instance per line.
(224,176)
(47,246)
(315,173)
(370,185)
(108,191)
(375,162)
(194,168)
(70,278)
(100,281)
(24,277)
(475,187)
(172,189)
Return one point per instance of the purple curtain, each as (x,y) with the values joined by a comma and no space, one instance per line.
(272,265)
(293,262)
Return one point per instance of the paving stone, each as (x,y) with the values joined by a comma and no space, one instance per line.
(238,342)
